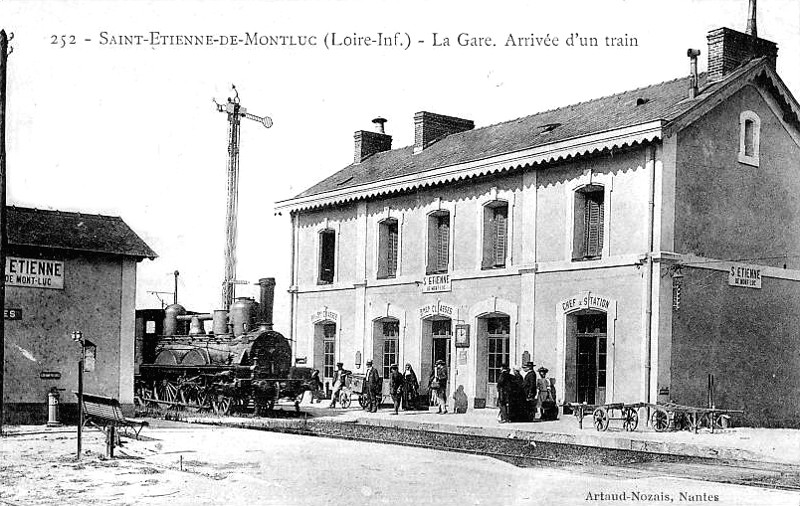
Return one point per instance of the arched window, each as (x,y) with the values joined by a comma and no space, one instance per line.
(749,137)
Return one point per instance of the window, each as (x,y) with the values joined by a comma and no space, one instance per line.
(438,242)
(391,331)
(327,256)
(495,235)
(387,248)
(749,137)
(441,334)
(328,349)
(497,330)
(588,223)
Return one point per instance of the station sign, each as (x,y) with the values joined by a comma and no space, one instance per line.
(50,375)
(744,275)
(12,314)
(34,273)
(436,283)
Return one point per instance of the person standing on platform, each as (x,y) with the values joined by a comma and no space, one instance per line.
(516,400)
(372,385)
(503,392)
(395,386)
(543,396)
(529,379)
(438,384)
(410,388)
(339,376)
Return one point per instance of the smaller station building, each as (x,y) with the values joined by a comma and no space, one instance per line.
(68,272)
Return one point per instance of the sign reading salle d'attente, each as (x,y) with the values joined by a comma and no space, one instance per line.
(34,273)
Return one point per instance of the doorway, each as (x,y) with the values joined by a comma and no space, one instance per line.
(591,358)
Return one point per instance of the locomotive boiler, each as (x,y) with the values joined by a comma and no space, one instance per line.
(240,365)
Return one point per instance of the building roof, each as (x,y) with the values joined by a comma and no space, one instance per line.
(614,121)
(74,231)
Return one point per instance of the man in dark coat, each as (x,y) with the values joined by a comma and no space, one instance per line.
(437,383)
(529,379)
(517,404)
(373,387)
(504,392)
(395,386)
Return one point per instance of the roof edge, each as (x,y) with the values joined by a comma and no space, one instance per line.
(576,146)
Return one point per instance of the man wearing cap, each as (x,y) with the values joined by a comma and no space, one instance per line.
(339,376)
(438,384)
(529,378)
(372,385)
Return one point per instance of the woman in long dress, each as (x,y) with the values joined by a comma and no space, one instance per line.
(410,388)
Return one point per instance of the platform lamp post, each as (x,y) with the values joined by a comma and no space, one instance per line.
(77,336)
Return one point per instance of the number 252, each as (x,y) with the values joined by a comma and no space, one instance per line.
(62,40)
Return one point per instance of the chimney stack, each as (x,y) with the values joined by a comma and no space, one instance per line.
(693,77)
(369,143)
(752,30)
(267,298)
(729,49)
(430,127)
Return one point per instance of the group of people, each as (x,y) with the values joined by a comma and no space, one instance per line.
(404,387)
(525,398)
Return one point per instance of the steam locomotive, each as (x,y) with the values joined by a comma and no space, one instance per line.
(240,365)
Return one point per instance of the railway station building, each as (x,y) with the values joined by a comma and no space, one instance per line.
(68,272)
(635,245)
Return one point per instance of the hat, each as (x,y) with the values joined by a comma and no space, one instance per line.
(339,364)
(504,366)
(393,366)
(440,362)
(543,369)
(369,362)
(528,365)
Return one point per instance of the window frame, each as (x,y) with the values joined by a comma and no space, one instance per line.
(581,227)
(383,261)
(488,245)
(321,256)
(744,118)
(433,249)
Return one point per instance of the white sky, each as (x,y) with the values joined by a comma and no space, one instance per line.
(131,131)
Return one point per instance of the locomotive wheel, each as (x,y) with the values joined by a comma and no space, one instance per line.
(344,400)
(221,405)
(600,417)
(631,420)
(659,420)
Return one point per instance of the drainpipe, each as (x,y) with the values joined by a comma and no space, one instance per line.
(293,284)
(651,158)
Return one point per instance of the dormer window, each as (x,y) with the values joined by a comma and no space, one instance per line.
(749,137)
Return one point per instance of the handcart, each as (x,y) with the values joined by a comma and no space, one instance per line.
(603,414)
(663,416)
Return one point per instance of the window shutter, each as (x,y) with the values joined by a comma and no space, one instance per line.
(391,250)
(500,236)
(443,244)
(488,238)
(594,224)
(579,227)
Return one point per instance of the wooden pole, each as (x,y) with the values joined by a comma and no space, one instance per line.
(3,238)
(80,401)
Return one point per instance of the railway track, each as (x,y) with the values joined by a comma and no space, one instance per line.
(607,462)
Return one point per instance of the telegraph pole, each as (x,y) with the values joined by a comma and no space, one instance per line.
(3,239)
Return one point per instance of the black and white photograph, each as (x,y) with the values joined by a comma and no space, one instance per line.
(351,252)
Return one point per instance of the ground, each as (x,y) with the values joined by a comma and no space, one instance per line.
(178,464)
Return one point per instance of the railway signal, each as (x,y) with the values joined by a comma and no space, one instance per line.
(235,112)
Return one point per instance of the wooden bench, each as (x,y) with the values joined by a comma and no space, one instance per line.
(105,413)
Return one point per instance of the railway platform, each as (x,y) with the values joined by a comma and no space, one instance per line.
(778,446)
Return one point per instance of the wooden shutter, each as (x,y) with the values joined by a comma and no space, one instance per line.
(500,234)
(391,249)
(443,243)
(593,218)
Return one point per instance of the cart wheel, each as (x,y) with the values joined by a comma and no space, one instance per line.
(344,400)
(631,420)
(600,417)
(659,420)
(362,401)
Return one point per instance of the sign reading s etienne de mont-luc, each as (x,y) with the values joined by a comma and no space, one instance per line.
(34,273)
(744,275)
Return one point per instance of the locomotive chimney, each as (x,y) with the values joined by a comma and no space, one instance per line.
(266,301)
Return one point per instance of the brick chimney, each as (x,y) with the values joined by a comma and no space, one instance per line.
(368,143)
(430,127)
(729,49)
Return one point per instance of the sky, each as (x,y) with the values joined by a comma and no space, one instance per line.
(130,130)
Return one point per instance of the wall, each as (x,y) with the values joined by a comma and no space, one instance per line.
(731,210)
(748,338)
(97,299)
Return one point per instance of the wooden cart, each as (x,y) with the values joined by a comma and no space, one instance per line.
(663,416)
